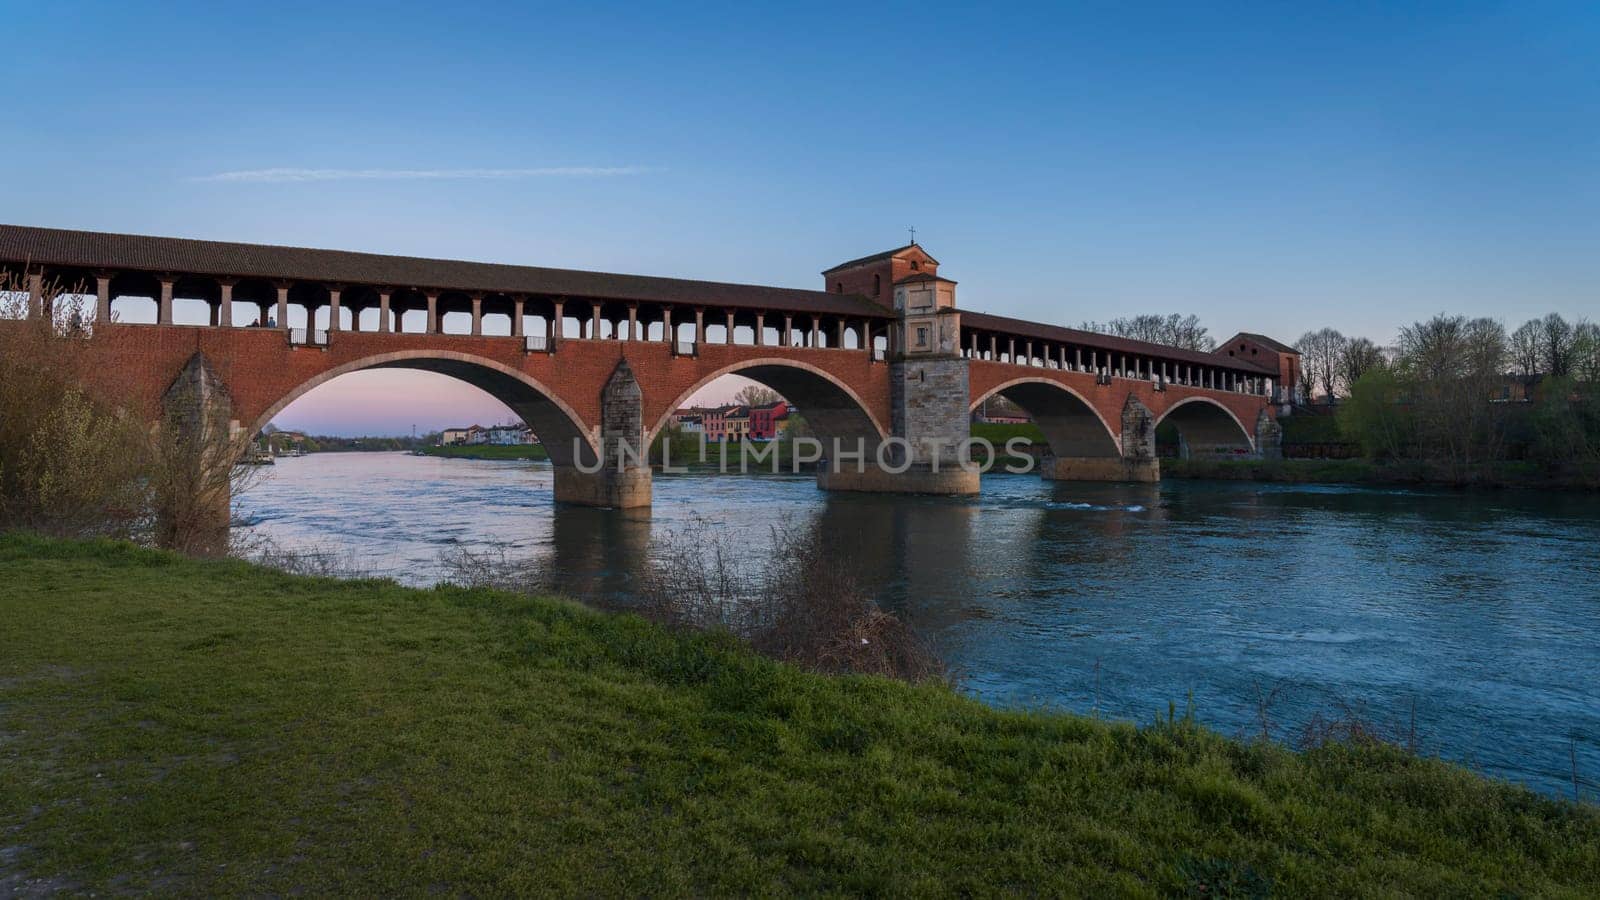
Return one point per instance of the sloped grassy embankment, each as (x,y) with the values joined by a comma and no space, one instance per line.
(208,727)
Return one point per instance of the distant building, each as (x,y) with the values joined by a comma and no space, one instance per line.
(1001,419)
(508,434)
(1264,351)
(472,434)
(736,424)
(767,422)
(689,424)
(713,423)
(1515,388)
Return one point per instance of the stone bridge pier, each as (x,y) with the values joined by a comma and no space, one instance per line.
(617,472)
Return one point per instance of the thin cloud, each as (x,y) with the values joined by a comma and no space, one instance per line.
(280,176)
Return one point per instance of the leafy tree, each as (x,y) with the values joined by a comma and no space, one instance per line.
(1566,422)
(1374,417)
(1586,353)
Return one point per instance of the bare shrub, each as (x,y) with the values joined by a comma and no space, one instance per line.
(1351,724)
(71,464)
(74,463)
(492,568)
(264,551)
(798,604)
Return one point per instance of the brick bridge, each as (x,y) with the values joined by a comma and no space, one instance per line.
(882,360)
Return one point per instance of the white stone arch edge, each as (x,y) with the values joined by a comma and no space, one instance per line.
(733,369)
(1249,437)
(1114,435)
(380,359)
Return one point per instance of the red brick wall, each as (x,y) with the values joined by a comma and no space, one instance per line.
(985,377)
(881,274)
(139,363)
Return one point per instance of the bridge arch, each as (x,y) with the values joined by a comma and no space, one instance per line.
(831,407)
(1071,425)
(1208,428)
(557,425)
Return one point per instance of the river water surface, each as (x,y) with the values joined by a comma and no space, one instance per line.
(1477,611)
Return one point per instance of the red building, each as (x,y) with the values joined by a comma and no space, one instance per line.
(767,421)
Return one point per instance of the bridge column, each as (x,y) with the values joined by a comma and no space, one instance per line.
(761,330)
(477,315)
(433,312)
(1138,461)
(1269,436)
(333,308)
(197,448)
(620,478)
(928,396)
(558,323)
(383,310)
(164,305)
(102,308)
(517,309)
(35,295)
(225,305)
(283,305)
(699,327)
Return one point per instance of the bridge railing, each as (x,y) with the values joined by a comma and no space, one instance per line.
(686,348)
(308,337)
(536,343)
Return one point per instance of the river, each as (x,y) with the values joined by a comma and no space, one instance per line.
(1474,613)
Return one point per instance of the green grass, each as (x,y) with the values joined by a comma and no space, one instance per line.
(488,451)
(199,728)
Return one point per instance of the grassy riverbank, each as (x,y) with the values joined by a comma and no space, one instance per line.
(487,451)
(1363,471)
(211,727)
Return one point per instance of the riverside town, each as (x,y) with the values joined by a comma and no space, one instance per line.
(1075,451)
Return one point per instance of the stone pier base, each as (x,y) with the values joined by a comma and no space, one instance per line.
(948,480)
(1108,468)
(628,489)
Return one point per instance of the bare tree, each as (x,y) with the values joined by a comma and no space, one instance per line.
(1358,357)
(1486,348)
(756,395)
(1172,330)
(1556,337)
(1321,357)
(1434,349)
(1526,346)
(1452,366)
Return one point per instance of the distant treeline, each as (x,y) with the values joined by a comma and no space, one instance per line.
(325,443)
(1458,393)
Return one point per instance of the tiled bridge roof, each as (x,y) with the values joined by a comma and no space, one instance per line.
(98,250)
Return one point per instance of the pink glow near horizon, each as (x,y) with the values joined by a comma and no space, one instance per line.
(394,401)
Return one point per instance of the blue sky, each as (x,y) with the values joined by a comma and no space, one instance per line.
(1275,167)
